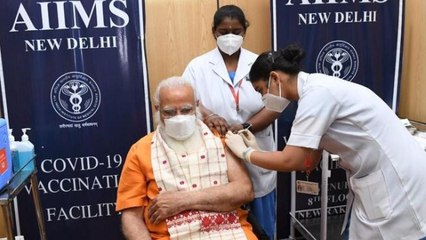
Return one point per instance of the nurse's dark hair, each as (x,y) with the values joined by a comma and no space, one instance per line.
(232,12)
(287,60)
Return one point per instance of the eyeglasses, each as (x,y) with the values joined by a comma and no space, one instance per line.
(169,112)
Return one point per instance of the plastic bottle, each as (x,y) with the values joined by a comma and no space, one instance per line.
(5,156)
(26,151)
(14,151)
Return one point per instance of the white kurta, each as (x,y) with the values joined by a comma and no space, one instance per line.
(212,83)
(384,163)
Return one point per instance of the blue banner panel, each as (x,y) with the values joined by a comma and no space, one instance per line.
(74,73)
(356,40)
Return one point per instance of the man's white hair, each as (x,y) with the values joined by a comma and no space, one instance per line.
(171,82)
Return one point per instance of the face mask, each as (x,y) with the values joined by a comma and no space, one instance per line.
(229,43)
(180,127)
(275,103)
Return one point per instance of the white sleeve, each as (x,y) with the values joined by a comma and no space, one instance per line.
(317,110)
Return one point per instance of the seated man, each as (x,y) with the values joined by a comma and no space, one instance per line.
(180,182)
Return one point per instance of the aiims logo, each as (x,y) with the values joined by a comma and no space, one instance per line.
(339,59)
(75,96)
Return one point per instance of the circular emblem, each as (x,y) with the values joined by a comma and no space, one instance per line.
(339,59)
(75,96)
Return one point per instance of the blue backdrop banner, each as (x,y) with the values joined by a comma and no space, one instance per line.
(74,72)
(356,40)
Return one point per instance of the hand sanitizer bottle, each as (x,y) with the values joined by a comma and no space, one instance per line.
(26,151)
(14,152)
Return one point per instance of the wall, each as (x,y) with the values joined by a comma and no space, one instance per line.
(412,104)
(179,30)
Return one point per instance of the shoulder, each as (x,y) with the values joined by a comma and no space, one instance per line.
(249,54)
(326,81)
(320,93)
(203,58)
(139,155)
(320,82)
(143,144)
(146,139)
(247,58)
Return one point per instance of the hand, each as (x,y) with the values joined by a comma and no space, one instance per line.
(236,143)
(249,139)
(214,121)
(165,205)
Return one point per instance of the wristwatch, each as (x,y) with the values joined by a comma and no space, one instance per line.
(246,125)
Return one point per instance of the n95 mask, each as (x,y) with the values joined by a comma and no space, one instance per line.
(273,102)
(180,127)
(229,43)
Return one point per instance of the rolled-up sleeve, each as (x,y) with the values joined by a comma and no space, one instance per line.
(132,187)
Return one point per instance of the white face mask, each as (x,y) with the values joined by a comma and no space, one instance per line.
(180,127)
(273,102)
(229,43)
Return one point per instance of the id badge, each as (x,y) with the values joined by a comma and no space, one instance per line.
(306,187)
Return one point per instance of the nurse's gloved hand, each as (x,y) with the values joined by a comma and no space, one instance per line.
(249,139)
(236,143)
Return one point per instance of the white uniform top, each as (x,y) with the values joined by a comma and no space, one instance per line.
(212,83)
(385,165)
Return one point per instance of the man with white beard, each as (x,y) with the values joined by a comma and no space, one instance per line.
(180,181)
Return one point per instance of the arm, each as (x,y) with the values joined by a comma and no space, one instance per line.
(317,110)
(133,225)
(291,158)
(222,198)
(262,119)
(132,191)
(258,121)
(229,196)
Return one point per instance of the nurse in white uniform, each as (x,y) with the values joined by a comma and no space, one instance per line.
(229,101)
(385,166)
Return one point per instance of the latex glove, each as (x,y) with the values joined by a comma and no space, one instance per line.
(249,139)
(236,143)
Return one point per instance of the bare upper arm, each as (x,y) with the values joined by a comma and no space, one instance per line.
(236,168)
(130,213)
(133,224)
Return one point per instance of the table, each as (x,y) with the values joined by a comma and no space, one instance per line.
(14,186)
(318,228)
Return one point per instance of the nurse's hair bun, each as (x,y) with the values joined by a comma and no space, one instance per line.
(293,54)
(289,59)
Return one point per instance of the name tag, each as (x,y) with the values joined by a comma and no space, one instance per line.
(306,187)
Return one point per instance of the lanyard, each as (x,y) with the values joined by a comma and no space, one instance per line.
(236,95)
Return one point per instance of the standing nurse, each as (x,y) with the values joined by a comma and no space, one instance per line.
(385,165)
(229,101)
